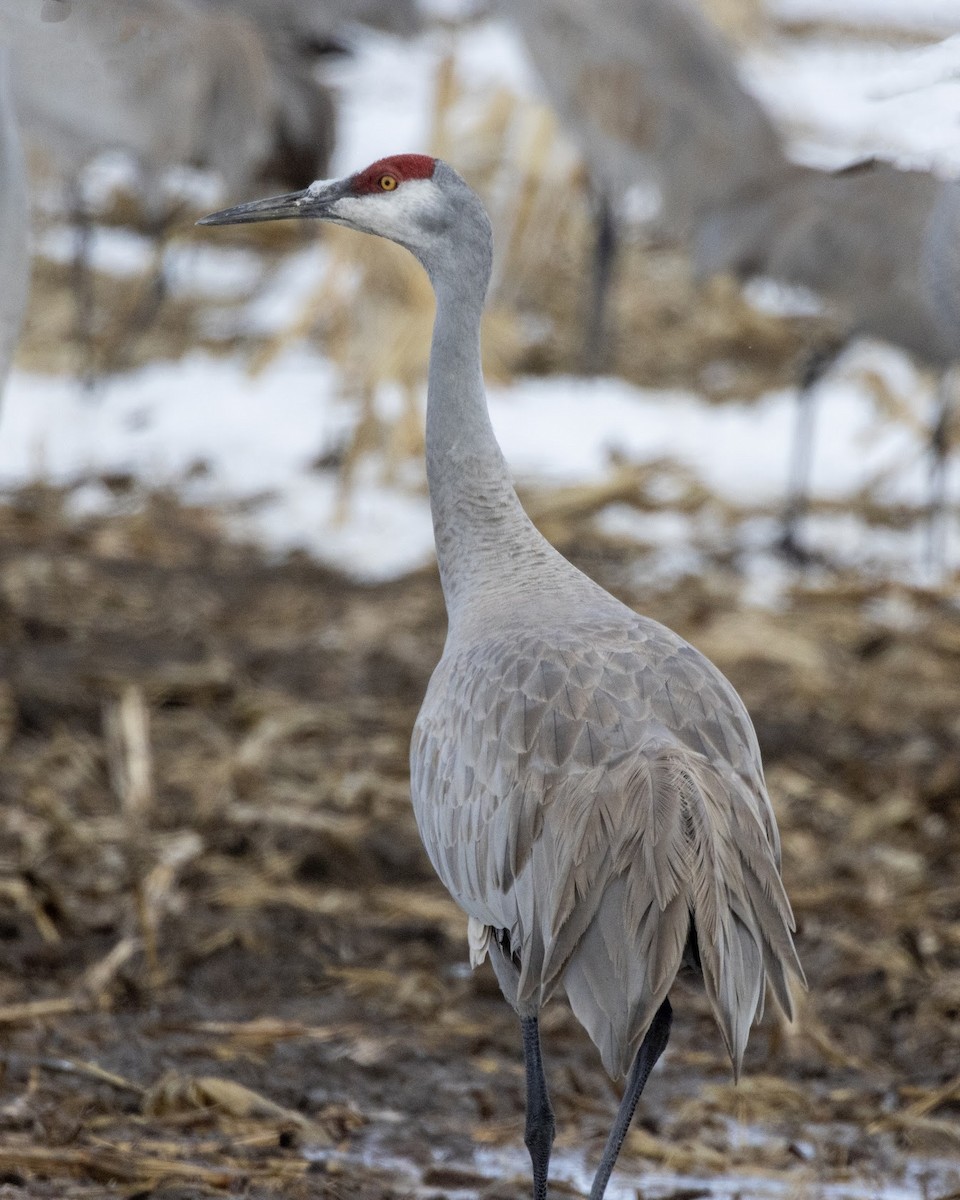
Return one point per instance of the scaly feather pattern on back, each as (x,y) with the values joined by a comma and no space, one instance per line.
(595,793)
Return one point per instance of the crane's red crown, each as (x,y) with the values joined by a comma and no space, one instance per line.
(400,166)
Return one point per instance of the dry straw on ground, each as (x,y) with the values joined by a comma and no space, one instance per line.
(210,868)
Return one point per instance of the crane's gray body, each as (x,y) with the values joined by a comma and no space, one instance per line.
(14,225)
(585,782)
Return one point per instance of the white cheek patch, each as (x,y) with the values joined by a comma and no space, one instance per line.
(399,215)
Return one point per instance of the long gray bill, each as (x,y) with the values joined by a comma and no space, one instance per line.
(274,208)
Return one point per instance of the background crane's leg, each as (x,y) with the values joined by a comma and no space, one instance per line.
(801,453)
(652,1046)
(82,278)
(120,351)
(595,351)
(939,452)
(540,1123)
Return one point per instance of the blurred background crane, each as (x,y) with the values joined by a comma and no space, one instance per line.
(300,36)
(878,243)
(652,95)
(168,82)
(227,87)
(236,90)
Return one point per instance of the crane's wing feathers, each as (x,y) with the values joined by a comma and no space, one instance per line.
(600,798)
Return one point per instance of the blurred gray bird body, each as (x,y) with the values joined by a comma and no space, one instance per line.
(14,225)
(167,81)
(587,785)
(649,91)
(878,243)
(319,24)
(296,34)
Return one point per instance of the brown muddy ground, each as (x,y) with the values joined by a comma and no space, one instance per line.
(226,968)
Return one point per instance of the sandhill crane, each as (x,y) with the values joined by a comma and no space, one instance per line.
(648,89)
(587,785)
(14,224)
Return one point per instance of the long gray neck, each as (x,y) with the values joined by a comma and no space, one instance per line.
(487,547)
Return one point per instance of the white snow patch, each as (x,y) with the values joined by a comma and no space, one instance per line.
(119,252)
(286,292)
(252,438)
(839,101)
(258,437)
(779,299)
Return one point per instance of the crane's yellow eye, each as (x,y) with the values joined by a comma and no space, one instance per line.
(388,183)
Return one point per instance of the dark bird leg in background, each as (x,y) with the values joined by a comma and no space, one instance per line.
(801,455)
(540,1127)
(939,453)
(652,1046)
(117,344)
(82,275)
(597,345)
(120,351)
(147,308)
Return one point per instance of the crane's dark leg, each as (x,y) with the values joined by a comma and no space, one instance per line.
(801,455)
(595,351)
(652,1046)
(540,1123)
(939,451)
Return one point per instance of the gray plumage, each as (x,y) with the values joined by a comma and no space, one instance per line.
(940,264)
(14,225)
(587,785)
(297,34)
(590,783)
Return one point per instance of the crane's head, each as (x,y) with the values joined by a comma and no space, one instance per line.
(412,199)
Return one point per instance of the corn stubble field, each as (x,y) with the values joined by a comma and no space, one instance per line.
(226,967)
